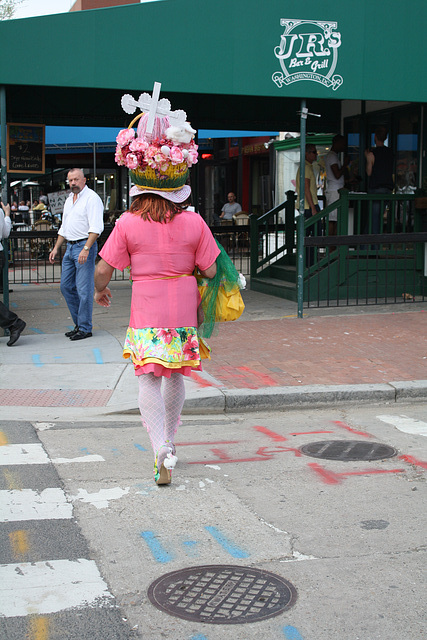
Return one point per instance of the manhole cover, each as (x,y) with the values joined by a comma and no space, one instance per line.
(222,594)
(347,450)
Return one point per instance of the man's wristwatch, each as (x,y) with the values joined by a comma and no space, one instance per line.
(86,248)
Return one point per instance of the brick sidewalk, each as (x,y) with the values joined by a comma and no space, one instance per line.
(371,348)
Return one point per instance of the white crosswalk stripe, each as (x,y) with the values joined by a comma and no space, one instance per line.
(53,585)
(50,504)
(47,587)
(406,424)
(12,454)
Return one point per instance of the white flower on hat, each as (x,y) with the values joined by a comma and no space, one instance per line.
(183,133)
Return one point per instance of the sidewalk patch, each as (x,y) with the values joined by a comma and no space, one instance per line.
(222,594)
(55,397)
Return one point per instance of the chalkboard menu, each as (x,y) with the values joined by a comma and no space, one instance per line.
(25,148)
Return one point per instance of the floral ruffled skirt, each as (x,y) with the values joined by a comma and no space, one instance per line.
(162,351)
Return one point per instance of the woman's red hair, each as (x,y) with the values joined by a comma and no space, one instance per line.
(156,208)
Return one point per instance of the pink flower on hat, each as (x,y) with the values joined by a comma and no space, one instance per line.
(131,161)
(138,144)
(176,155)
(119,157)
(125,136)
(192,157)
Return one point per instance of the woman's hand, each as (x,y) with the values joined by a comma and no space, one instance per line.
(104,297)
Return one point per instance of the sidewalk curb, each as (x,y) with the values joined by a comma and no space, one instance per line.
(281,398)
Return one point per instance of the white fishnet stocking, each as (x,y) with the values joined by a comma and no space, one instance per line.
(174,397)
(152,408)
(160,413)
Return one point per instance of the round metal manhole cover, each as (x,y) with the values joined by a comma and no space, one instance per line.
(222,594)
(348,450)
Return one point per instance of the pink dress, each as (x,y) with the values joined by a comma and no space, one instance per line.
(162,334)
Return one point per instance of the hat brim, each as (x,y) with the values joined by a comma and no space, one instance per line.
(178,196)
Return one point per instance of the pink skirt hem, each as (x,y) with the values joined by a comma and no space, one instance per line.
(160,370)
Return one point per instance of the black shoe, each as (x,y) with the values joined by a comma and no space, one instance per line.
(15,331)
(72,333)
(81,335)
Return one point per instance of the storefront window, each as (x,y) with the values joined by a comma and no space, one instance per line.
(287,164)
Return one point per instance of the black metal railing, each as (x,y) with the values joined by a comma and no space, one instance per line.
(236,241)
(272,235)
(28,253)
(366,269)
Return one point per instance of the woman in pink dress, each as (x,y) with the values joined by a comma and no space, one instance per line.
(163,243)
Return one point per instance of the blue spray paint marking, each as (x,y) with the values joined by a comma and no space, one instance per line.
(14,305)
(34,330)
(98,356)
(116,452)
(159,552)
(190,547)
(54,303)
(85,450)
(292,634)
(139,447)
(199,636)
(226,544)
(36,360)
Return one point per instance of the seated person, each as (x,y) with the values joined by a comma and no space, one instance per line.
(230,208)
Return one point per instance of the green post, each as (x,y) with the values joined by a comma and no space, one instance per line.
(3,131)
(300,224)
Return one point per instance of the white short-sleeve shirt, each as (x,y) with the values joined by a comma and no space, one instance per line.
(84,216)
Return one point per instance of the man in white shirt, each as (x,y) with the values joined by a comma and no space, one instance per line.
(334,178)
(82,223)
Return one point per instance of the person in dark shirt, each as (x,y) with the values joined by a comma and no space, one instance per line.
(379,168)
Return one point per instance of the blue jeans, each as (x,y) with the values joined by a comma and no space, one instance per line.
(77,284)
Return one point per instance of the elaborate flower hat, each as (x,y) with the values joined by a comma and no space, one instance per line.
(161,152)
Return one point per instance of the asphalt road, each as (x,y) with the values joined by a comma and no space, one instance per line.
(85,530)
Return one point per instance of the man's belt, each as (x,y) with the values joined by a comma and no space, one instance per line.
(76,241)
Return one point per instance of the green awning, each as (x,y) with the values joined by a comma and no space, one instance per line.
(232,63)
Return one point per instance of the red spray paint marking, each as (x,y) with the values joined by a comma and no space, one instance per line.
(224,458)
(263,453)
(191,444)
(329,477)
(308,433)
(265,379)
(415,461)
(279,449)
(201,381)
(271,434)
(348,428)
